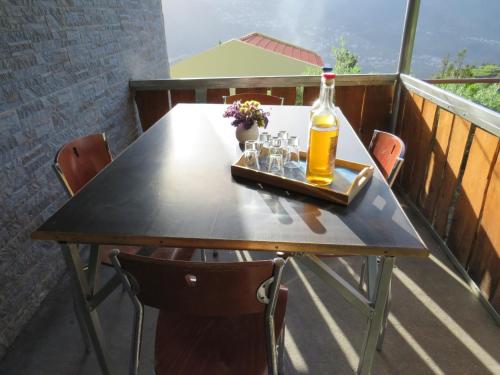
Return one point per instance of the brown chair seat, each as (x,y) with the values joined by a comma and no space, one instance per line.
(215,318)
(196,345)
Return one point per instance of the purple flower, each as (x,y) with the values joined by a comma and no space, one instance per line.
(246,114)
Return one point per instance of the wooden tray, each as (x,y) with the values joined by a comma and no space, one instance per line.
(349,178)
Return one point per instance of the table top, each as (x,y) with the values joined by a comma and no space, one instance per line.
(173,187)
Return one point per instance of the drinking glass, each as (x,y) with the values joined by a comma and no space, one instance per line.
(275,161)
(293,156)
(284,148)
(264,139)
(283,134)
(258,146)
(251,155)
(275,142)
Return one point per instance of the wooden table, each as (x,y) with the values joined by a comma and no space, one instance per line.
(173,187)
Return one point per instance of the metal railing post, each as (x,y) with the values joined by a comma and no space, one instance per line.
(405,54)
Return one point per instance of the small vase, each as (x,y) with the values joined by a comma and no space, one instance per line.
(243,135)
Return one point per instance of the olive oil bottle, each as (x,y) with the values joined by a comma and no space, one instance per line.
(323,136)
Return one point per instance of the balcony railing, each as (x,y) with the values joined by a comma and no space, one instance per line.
(451,172)
(452,175)
(365,99)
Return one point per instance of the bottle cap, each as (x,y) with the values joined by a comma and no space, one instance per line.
(329,75)
(327,69)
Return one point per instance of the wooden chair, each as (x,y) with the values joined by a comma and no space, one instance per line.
(215,318)
(388,151)
(78,162)
(261,98)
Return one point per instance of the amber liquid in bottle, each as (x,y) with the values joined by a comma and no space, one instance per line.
(323,136)
(323,139)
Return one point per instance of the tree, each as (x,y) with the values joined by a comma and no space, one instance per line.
(346,62)
(484,94)
(455,69)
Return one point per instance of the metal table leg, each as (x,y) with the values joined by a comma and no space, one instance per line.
(372,270)
(373,308)
(372,273)
(376,318)
(82,294)
(387,309)
(94,265)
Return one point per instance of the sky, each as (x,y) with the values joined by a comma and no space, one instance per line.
(371,28)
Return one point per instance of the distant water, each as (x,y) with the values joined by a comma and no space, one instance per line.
(372,29)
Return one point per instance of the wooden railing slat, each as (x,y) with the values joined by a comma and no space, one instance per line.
(151,105)
(311,93)
(426,125)
(182,96)
(404,129)
(456,149)
(470,200)
(437,163)
(215,96)
(402,106)
(484,263)
(287,93)
(411,122)
(350,100)
(376,112)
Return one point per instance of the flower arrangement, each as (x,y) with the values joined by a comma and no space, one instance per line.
(246,114)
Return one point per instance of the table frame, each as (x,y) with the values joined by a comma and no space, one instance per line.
(379,247)
(374,307)
(86,298)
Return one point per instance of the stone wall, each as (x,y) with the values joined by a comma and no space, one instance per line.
(64,71)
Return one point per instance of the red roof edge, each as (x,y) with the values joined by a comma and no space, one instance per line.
(299,53)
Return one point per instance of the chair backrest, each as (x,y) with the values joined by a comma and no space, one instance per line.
(78,161)
(388,151)
(199,288)
(261,98)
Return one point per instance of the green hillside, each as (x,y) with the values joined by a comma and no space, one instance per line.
(487,95)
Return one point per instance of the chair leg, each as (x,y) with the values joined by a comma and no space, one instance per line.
(132,289)
(137,335)
(281,352)
(272,355)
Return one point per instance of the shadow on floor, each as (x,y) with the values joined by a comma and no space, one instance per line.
(436,325)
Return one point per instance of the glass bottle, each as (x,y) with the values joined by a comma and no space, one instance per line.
(315,106)
(323,136)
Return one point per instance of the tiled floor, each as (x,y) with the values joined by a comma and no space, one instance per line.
(436,326)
